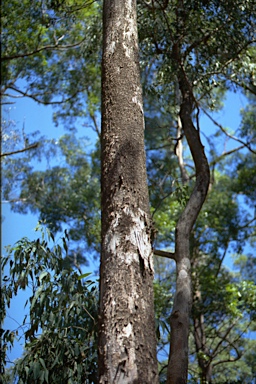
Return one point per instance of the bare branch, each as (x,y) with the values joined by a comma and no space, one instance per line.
(215,351)
(251,88)
(7,102)
(226,133)
(231,359)
(160,202)
(35,98)
(168,255)
(224,154)
(221,260)
(19,150)
(232,344)
(56,46)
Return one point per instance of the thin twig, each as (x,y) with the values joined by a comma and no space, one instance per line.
(35,98)
(226,133)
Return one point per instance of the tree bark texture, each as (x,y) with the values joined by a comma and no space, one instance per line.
(178,359)
(127,339)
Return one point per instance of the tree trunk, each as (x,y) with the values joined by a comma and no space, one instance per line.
(127,340)
(203,356)
(178,359)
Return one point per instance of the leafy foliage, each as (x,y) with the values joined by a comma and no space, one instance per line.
(61,332)
(55,48)
(65,195)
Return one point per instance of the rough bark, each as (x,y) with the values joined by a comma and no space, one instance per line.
(127,341)
(178,359)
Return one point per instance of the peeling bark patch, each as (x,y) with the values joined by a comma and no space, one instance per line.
(130,31)
(136,99)
(111,47)
(129,264)
(137,236)
(183,274)
(126,371)
(127,330)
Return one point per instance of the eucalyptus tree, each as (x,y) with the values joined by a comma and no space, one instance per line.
(184,39)
(190,52)
(127,340)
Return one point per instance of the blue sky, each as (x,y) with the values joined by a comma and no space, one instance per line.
(36,117)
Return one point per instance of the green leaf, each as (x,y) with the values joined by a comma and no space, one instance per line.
(42,363)
(84,275)
(43,275)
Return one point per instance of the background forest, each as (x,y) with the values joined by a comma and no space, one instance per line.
(51,53)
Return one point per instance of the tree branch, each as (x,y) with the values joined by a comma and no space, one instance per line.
(189,215)
(196,43)
(35,98)
(215,351)
(168,255)
(251,88)
(231,359)
(226,133)
(45,48)
(32,146)
(224,154)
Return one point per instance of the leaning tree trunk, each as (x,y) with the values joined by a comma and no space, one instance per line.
(178,359)
(127,341)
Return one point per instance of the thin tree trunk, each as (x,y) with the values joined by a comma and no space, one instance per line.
(202,351)
(127,340)
(178,359)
